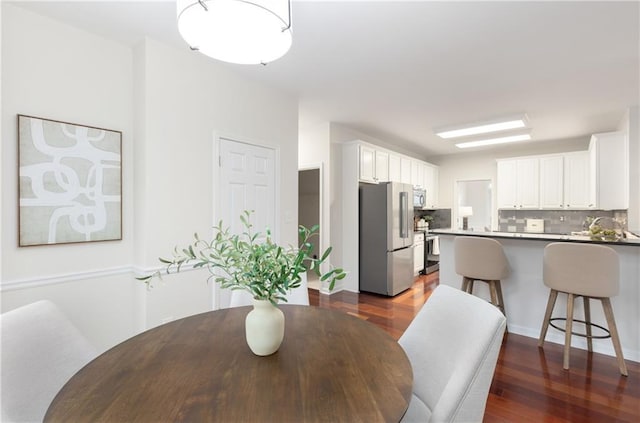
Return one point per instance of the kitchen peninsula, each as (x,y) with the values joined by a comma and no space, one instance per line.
(525,294)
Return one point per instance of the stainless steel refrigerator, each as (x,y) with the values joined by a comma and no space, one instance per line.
(386,237)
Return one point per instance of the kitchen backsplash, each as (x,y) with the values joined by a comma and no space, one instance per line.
(441,217)
(555,221)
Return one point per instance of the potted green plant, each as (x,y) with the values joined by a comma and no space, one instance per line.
(255,263)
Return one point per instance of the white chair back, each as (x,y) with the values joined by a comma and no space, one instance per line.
(41,350)
(453,345)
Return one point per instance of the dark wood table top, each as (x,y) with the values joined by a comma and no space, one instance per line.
(331,367)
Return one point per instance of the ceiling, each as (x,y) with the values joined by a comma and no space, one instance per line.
(396,70)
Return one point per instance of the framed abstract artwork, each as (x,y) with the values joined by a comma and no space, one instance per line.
(70,182)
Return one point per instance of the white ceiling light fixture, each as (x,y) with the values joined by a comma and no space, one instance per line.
(236,31)
(484,127)
(501,140)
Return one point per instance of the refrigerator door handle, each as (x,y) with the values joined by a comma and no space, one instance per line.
(404,197)
(409,220)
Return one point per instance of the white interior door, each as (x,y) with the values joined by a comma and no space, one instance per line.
(247,182)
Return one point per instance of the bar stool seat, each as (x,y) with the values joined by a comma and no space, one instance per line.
(589,271)
(481,259)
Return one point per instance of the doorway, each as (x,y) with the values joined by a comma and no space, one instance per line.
(246,181)
(310,211)
(474,203)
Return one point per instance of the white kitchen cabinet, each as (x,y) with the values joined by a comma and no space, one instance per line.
(507,188)
(418,253)
(405,170)
(417,173)
(431,185)
(367,170)
(373,164)
(552,182)
(564,181)
(518,183)
(609,165)
(577,188)
(394,168)
(528,183)
(382,166)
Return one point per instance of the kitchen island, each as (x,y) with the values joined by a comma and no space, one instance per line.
(525,294)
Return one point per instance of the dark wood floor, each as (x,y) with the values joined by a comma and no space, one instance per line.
(529,383)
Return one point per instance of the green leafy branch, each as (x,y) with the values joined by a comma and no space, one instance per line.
(251,262)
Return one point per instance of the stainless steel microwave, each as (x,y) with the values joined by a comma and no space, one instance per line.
(419,198)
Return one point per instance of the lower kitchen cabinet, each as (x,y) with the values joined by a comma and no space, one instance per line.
(418,253)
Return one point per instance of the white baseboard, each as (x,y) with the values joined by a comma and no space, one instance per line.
(602,346)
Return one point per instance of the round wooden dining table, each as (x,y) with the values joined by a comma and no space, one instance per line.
(331,367)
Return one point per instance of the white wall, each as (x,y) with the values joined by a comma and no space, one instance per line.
(55,71)
(168,103)
(630,124)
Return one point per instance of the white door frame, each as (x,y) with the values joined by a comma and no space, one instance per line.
(323,228)
(455,212)
(216,197)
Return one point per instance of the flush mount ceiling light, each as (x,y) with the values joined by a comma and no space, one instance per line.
(236,31)
(502,140)
(513,122)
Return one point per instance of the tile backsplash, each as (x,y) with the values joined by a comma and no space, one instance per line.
(555,221)
(441,217)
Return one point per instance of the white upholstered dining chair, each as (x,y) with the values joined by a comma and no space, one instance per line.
(41,350)
(453,345)
(299,295)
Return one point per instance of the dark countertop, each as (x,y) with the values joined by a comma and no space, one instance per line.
(536,237)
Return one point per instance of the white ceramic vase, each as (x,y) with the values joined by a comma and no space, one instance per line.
(264,328)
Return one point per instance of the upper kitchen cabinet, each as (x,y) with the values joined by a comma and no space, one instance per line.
(431,185)
(609,162)
(405,170)
(367,170)
(417,173)
(374,165)
(518,183)
(564,181)
(382,166)
(551,182)
(577,177)
(395,170)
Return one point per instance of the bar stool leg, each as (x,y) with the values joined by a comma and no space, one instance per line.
(496,298)
(494,294)
(553,295)
(611,322)
(500,299)
(568,329)
(587,319)
(465,284)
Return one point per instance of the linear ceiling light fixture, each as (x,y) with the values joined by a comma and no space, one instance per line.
(484,127)
(502,140)
(236,31)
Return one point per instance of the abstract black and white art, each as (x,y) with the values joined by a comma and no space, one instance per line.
(70,187)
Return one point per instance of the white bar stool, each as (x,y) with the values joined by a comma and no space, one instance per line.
(589,271)
(481,259)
